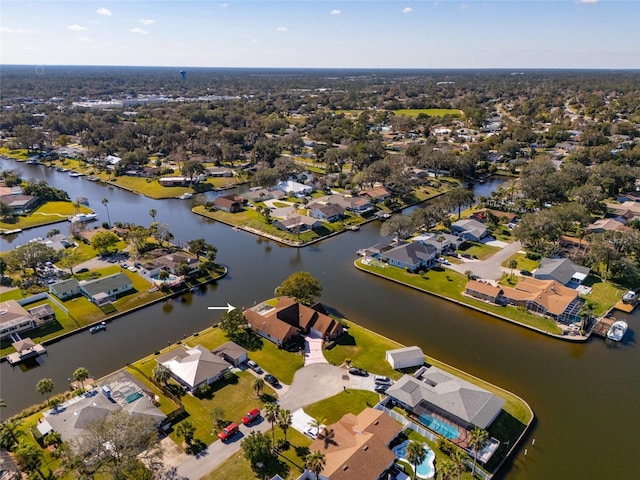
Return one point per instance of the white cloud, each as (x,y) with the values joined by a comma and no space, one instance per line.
(77,28)
(103,11)
(335,12)
(407,10)
(23,31)
(281,29)
(588,1)
(147,21)
(138,30)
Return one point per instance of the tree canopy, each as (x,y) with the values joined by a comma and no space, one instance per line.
(301,286)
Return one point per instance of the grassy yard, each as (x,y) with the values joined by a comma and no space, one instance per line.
(432,112)
(524,263)
(604,295)
(350,401)
(19,154)
(50,212)
(479,250)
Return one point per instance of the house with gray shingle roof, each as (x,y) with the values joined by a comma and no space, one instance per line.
(193,367)
(470,229)
(432,390)
(411,256)
(562,270)
(104,290)
(65,289)
(329,213)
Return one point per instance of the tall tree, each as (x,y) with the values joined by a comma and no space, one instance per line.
(477,441)
(256,449)
(105,202)
(28,457)
(258,386)
(81,374)
(416,454)
(187,430)
(104,242)
(397,226)
(233,323)
(271,415)
(284,421)
(70,258)
(45,386)
(301,286)
(153,213)
(161,374)
(10,433)
(458,198)
(315,462)
(218,416)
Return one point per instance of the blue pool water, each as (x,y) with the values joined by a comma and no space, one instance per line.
(426,469)
(442,428)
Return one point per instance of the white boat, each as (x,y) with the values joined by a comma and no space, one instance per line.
(83,217)
(185,196)
(617,330)
(630,297)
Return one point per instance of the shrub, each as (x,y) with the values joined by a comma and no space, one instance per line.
(533,256)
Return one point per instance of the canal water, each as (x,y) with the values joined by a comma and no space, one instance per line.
(585,396)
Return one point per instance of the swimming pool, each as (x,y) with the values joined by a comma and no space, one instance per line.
(440,427)
(426,469)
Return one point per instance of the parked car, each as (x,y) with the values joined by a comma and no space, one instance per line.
(381,388)
(311,432)
(271,380)
(358,371)
(380,380)
(251,416)
(98,328)
(526,273)
(82,270)
(254,366)
(229,431)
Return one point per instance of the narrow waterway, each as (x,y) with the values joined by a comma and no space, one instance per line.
(585,396)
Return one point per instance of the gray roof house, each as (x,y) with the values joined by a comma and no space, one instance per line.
(432,390)
(470,229)
(104,290)
(405,357)
(411,256)
(562,270)
(193,367)
(65,289)
(329,213)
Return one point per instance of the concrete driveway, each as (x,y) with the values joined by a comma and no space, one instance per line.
(491,268)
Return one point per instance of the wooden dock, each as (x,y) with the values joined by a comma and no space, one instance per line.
(625,307)
(602,326)
(25,349)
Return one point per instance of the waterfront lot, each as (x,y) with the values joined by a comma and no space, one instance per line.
(48,213)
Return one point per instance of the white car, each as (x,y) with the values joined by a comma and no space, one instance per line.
(311,432)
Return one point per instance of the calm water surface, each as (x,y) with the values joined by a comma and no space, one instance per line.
(585,396)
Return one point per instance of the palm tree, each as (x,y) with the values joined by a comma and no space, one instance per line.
(459,460)
(105,202)
(416,454)
(284,421)
(271,415)
(315,462)
(446,469)
(10,433)
(187,430)
(513,263)
(153,214)
(161,374)
(477,440)
(80,375)
(317,424)
(258,386)
(218,416)
(45,386)
(29,457)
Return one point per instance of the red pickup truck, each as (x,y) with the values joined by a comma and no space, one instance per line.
(251,416)
(229,431)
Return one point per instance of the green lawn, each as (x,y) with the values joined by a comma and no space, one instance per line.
(19,154)
(332,409)
(524,263)
(50,212)
(278,362)
(479,250)
(604,295)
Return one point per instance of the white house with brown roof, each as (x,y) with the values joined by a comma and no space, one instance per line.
(14,318)
(356,447)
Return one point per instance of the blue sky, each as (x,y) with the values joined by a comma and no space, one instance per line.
(305,33)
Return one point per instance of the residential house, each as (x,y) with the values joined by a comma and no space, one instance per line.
(173,262)
(297,223)
(405,357)
(470,229)
(546,297)
(411,256)
(290,318)
(122,394)
(328,213)
(232,353)
(176,181)
(104,290)
(65,289)
(376,194)
(20,204)
(258,194)
(434,391)
(441,241)
(356,447)
(193,367)
(484,291)
(607,225)
(14,319)
(357,205)
(229,203)
(504,217)
(219,172)
(294,188)
(563,270)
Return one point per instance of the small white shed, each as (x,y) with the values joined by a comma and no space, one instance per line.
(405,357)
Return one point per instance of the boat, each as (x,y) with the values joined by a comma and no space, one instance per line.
(186,196)
(83,217)
(91,178)
(617,330)
(74,174)
(98,328)
(630,297)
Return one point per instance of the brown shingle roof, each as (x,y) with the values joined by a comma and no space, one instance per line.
(483,287)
